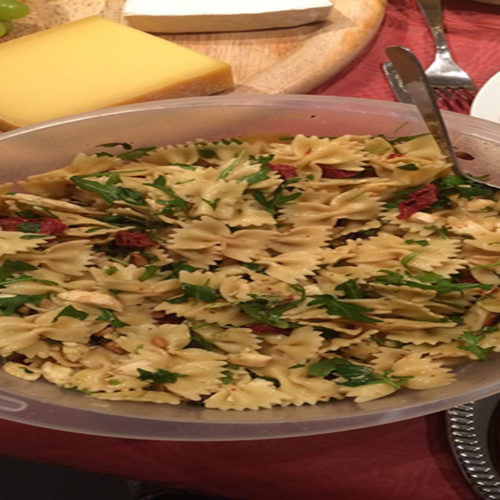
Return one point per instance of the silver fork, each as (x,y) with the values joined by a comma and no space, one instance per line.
(453,87)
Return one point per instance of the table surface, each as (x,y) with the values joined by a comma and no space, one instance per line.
(403,460)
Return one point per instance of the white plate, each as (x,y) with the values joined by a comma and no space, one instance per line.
(486,105)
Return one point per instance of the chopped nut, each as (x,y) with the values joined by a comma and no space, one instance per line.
(114,347)
(138,260)
(24,310)
(157,314)
(159,342)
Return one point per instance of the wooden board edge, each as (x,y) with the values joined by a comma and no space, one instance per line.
(324,55)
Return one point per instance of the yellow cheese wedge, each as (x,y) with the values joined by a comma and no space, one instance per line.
(94,63)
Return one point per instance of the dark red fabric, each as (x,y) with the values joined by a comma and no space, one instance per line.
(408,460)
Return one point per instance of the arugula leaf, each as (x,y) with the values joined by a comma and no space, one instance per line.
(422,243)
(176,203)
(428,281)
(409,166)
(262,311)
(339,308)
(471,344)
(465,188)
(185,166)
(232,166)
(351,289)
(442,231)
(23,277)
(110,317)
(197,292)
(211,203)
(29,227)
(228,376)
(110,194)
(206,153)
(199,342)
(124,145)
(252,374)
(135,154)
(9,267)
(278,199)
(71,312)
(258,268)
(405,138)
(177,267)
(111,270)
(8,305)
(149,272)
(354,374)
(408,258)
(34,236)
(256,177)
(160,376)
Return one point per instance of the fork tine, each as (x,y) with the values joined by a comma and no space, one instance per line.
(458,100)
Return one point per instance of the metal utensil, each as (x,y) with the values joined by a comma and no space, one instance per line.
(413,78)
(473,432)
(444,74)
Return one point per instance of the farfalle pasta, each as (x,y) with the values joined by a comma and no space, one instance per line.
(247,274)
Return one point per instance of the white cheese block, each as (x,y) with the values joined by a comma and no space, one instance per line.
(189,16)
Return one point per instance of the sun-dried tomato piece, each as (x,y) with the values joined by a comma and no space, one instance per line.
(394,155)
(331,172)
(131,239)
(418,200)
(286,171)
(49,225)
(11,223)
(466,277)
(264,328)
(46,225)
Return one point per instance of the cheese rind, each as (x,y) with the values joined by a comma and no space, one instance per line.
(184,16)
(95,63)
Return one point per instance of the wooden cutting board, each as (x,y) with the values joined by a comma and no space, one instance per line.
(288,60)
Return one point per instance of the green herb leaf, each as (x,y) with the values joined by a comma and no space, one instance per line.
(278,199)
(232,166)
(273,380)
(196,292)
(228,376)
(422,243)
(110,317)
(8,305)
(149,272)
(258,268)
(110,194)
(351,289)
(429,281)
(176,203)
(340,308)
(199,342)
(124,145)
(212,203)
(111,270)
(34,236)
(135,154)
(442,231)
(408,258)
(354,374)
(29,227)
(206,153)
(71,312)
(9,267)
(266,312)
(160,376)
(471,344)
(177,267)
(256,177)
(409,166)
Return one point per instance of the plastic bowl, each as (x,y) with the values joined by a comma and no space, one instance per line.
(53,144)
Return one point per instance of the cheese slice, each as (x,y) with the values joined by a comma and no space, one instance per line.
(184,16)
(95,63)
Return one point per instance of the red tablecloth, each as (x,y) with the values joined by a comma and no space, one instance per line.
(408,460)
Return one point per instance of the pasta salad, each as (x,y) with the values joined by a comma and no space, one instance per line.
(249,273)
